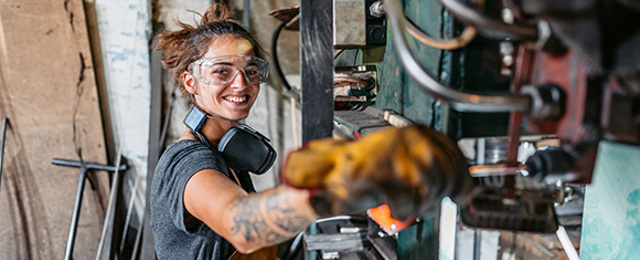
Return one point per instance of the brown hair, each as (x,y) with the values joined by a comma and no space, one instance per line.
(182,47)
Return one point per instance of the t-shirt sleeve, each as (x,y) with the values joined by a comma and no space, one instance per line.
(174,172)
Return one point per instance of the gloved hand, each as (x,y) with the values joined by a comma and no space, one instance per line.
(411,169)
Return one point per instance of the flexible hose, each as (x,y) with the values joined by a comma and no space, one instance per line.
(274,52)
(444,44)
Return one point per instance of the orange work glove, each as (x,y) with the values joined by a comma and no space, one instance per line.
(411,169)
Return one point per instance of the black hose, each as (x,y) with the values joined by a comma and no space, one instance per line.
(489,27)
(274,52)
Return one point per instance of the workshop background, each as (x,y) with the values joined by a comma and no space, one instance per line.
(543,97)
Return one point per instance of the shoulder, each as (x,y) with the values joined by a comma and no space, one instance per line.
(181,160)
(189,153)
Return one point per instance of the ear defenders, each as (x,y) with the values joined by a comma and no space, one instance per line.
(243,148)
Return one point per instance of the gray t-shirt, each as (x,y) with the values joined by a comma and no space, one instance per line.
(173,240)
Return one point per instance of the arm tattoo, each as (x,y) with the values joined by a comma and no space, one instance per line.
(284,215)
(269,217)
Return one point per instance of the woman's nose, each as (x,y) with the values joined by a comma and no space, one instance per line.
(239,79)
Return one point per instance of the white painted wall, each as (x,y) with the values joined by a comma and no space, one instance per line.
(124,28)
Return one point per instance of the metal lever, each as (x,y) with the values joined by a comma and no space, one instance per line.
(84,167)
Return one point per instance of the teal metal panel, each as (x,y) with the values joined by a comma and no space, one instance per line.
(474,68)
(611,218)
(419,241)
(398,91)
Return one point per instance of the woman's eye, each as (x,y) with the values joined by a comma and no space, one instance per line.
(251,72)
(221,71)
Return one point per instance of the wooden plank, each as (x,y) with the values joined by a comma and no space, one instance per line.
(316,68)
(124,28)
(47,89)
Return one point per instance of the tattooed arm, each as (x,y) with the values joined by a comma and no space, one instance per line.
(247,221)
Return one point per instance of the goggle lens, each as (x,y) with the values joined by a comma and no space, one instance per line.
(224,69)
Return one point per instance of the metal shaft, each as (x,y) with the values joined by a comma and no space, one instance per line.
(4,131)
(68,251)
(88,165)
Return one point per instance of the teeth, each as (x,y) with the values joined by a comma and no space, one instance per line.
(236,99)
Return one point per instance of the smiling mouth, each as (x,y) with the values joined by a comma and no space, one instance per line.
(236,99)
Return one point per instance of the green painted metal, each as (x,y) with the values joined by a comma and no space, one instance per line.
(474,68)
(419,241)
(611,217)
(398,92)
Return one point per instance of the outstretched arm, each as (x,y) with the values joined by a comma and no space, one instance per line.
(247,221)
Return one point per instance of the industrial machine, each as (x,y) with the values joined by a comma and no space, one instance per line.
(532,91)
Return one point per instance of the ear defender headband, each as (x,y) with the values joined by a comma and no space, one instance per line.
(243,148)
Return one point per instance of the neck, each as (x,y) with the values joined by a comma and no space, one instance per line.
(214,129)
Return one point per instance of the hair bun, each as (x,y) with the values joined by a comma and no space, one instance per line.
(217,13)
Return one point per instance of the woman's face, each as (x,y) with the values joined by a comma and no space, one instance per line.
(232,100)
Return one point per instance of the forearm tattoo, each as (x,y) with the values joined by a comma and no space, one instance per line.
(269,217)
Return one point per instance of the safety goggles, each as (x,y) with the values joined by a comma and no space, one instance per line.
(224,69)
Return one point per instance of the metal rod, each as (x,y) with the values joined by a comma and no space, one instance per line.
(246,13)
(4,131)
(134,195)
(111,208)
(460,101)
(477,243)
(566,243)
(497,170)
(68,251)
(88,165)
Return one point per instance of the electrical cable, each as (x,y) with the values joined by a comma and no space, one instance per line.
(274,52)
(289,91)
(337,53)
(444,44)
(460,101)
(489,27)
(339,79)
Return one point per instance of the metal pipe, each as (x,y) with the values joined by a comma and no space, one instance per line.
(68,251)
(4,132)
(460,101)
(489,27)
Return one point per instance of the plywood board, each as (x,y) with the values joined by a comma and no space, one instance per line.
(47,90)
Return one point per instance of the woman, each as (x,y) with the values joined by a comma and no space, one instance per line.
(198,210)
(203,209)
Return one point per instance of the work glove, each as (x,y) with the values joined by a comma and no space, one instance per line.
(411,169)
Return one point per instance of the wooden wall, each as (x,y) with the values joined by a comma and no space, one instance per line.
(47,90)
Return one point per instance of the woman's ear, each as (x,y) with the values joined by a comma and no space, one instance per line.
(189,82)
